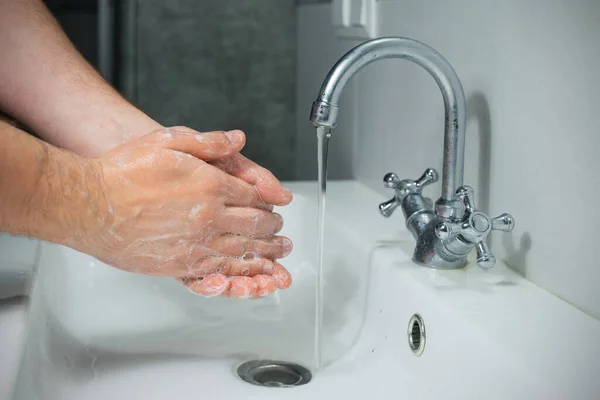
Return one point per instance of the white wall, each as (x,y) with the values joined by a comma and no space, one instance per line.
(530,73)
(318,50)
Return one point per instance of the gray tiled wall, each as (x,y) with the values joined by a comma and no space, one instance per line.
(222,65)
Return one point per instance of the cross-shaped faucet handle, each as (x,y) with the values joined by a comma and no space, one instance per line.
(404,188)
(475,227)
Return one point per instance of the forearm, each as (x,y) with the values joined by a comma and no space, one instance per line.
(46,84)
(45,192)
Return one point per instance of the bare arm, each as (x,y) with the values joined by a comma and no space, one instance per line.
(45,192)
(46,84)
(150,206)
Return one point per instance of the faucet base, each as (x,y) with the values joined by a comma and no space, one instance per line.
(431,253)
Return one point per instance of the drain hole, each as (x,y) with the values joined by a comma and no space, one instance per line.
(277,375)
(273,373)
(416,334)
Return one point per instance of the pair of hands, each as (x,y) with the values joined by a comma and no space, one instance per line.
(185,204)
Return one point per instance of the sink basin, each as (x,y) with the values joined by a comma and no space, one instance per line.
(94,332)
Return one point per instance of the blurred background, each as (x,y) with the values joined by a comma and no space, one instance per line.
(205,64)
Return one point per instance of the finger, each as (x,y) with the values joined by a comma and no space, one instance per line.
(238,193)
(229,266)
(266,183)
(281,276)
(265,286)
(210,286)
(241,287)
(273,248)
(250,221)
(207,146)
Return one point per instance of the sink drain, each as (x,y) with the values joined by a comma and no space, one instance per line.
(273,373)
(416,334)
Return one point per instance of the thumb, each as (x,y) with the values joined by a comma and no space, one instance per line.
(207,146)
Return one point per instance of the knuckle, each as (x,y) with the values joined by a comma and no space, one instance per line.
(261,173)
(202,267)
(212,184)
(181,128)
(216,139)
(223,266)
(264,247)
(243,245)
(164,134)
(219,147)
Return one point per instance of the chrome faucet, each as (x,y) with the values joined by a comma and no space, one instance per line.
(446,235)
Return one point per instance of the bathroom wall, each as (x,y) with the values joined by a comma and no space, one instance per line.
(529,70)
(79,20)
(317,50)
(222,65)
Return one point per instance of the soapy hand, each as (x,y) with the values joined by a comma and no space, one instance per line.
(262,179)
(169,212)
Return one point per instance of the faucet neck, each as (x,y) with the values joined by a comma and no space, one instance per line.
(325,108)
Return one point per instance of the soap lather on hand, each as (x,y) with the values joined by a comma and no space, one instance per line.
(176,206)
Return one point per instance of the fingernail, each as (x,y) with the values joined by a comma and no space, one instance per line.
(234,136)
(287,247)
(287,193)
(282,278)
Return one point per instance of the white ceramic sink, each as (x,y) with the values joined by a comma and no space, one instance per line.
(94,332)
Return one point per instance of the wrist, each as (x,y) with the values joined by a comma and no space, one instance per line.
(48,193)
(123,125)
(69,206)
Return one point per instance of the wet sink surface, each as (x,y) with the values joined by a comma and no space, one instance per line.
(95,332)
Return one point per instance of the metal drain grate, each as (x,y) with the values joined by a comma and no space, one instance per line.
(274,373)
(416,334)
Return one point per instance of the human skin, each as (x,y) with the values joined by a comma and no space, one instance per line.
(48,86)
(152,206)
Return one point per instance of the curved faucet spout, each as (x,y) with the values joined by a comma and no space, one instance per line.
(325,109)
